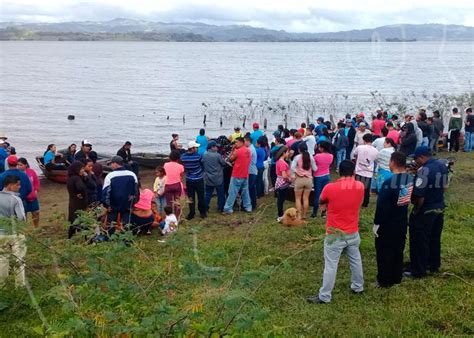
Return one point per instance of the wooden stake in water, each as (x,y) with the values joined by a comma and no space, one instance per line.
(245,120)
(205,118)
(286,121)
(220,122)
(184,119)
(265,124)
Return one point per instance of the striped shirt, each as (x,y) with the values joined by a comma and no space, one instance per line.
(192,166)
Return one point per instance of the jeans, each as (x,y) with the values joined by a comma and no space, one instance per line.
(468,141)
(425,243)
(252,188)
(259,185)
(113,216)
(238,185)
(273,174)
(348,152)
(196,189)
(16,244)
(340,156)
(425,141)
(220,196)
(160,203)
(333,248)
(367,181)
(319,183)
(281,197)
(434,144)
(389,247)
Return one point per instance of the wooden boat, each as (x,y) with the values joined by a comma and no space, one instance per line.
(150,160)
(60,176)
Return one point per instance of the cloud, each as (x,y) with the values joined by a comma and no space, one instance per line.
(295,16)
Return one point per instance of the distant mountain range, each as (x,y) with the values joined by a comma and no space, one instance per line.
(138,30)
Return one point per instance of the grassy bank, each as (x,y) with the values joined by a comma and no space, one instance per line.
(238,275)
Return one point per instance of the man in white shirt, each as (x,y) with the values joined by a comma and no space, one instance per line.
(365,156)
(310,140)
(379,141)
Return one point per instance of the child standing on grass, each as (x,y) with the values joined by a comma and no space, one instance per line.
(159,188)
(170,224)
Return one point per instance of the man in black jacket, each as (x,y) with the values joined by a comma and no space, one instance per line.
(125,153)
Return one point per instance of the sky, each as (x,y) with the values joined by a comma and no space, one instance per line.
(292,16)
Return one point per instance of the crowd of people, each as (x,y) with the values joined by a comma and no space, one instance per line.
(293,164)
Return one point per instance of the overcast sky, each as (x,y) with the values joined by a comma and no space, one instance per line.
(290,15)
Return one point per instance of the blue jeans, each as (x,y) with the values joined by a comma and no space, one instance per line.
(220,196)
(425,141)
(468,141)
(260,188)
(253,190)
(333,248)
(112,217)
(340,156)
(319,183)
(160,203)
(238,185)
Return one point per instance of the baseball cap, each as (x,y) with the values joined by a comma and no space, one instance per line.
(211,144)
(2,141)
(255,125)
(311,126)
(193,144)
(348,121)
(12,160)
(422,151)
(116,159)
(3,136)
(236,128)
(361,114)
(86,143)
(362,124)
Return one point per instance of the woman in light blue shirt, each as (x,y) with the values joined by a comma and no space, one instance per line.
(203,141)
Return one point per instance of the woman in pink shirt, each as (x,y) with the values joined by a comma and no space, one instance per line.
(174,185)
(142,216)
(32,204)
(323,161)
(283,179)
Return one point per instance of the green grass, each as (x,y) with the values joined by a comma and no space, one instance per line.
(171,288)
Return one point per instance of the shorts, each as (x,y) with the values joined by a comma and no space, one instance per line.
(303,183)
(32,206)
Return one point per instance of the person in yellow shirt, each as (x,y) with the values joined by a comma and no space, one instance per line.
(237,133)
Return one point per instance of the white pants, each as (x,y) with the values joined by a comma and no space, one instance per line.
(13,245)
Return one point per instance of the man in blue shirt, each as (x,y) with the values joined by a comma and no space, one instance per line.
(256,134)
(25,189)
(427,218)
(320,126)
(194,180)
(253,172)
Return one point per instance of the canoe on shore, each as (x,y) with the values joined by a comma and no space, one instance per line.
(60,176)
(150,160)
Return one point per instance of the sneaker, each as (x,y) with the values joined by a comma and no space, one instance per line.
(148,232)
(313,215)
(189,217)
(323,213)
(315,300)
(279,219)
(357,292)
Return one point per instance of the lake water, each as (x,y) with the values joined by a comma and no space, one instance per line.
(140,91)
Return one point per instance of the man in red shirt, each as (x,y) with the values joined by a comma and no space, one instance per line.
(239,181)
(342,199)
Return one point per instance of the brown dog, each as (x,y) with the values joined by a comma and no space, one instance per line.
(291,218)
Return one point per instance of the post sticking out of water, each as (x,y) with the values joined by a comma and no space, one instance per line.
(71,117)
(265,124)
(184,119)
(168,117)
(245,120)
(286,121)
(205,118)
(220,122)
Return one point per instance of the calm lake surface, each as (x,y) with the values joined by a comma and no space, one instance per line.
(140,91)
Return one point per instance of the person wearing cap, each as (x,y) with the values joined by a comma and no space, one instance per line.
(194,180)
(85,152)
(256,134)
(469,131)
(239,181)
(26,188)
(126,155)
(360,133)
(391,221)
(236,134)
(120,193)
(350,132)
(214,165)
(427,217)
(253,171)
(3,155)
